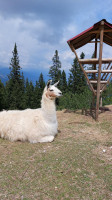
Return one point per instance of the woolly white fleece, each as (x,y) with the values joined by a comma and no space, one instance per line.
(33,125)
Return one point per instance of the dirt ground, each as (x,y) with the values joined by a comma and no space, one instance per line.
(76,166)
(87,128)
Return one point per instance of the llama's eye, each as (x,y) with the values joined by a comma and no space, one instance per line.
(51,90)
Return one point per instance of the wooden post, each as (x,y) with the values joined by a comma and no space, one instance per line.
(99,69)
(92,108)
(93,97)
(101,101)
(95,53)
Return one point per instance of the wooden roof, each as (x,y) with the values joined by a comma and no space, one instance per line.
(92,33)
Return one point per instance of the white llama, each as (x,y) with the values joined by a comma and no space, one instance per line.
(33,125)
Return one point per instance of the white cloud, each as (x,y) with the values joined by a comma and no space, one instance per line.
(68,32)
(24,34)
(39,28)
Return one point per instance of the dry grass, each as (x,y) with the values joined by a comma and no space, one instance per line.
(76,166)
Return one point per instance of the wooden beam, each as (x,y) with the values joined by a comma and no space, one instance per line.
(108,30)
(95,61)
(94,42)
(98,31)
(83,71)
(95,81)
(99,90)
(91,71)
(99,69)
(108,36)
(96,71)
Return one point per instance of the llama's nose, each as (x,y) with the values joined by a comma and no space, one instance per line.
(60,93)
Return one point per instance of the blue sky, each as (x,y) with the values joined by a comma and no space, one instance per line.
(39,27)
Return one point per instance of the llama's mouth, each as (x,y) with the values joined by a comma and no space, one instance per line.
(53,95)
(60,95)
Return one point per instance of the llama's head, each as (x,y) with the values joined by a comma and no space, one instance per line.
(51,91)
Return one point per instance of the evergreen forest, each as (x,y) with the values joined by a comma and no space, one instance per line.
(20,93)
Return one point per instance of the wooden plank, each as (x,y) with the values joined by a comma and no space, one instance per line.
(107,83)
(108,30)
(81,41)
(108,36)
(99,90)
(105,75)
(100,101)
(106,69)
(94,42)
(96,71)
(98,31)
(95,81)
(99,70)
(83,70)
(109,43)
(95,61)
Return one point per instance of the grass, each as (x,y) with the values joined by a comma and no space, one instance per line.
(73,167)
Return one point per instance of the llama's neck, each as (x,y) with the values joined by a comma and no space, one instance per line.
(48,106)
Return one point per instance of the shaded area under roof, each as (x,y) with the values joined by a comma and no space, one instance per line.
(92,33)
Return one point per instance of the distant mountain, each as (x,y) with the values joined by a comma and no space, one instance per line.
(32,75)
(3,74)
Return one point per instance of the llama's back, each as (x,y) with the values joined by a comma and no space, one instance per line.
(27,125)
(17,125)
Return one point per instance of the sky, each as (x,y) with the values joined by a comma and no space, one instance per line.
(39,27)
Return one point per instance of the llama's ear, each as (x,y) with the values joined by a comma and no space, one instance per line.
(56,84)
(49,83)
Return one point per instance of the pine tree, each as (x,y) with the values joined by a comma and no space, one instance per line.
(107,95)
(55,69)
(37,95)
(41,82)
(22,93)
(76,81)
(2,96)
(29,94)
(38,90)
(63,82)
(91,75)
(14,86)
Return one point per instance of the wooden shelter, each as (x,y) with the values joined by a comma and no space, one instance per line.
(101,32)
